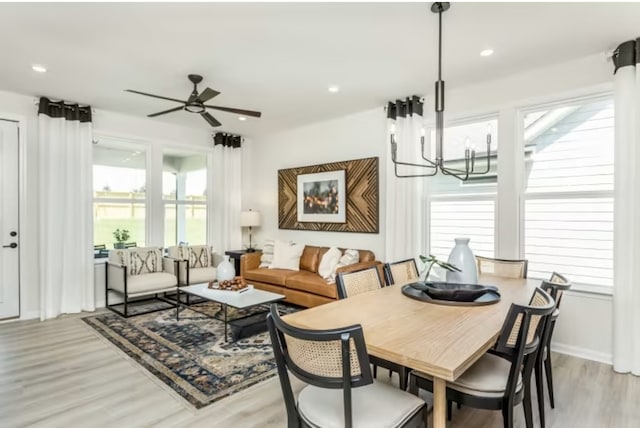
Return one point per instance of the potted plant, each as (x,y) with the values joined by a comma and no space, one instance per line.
(432,260)
(121,237)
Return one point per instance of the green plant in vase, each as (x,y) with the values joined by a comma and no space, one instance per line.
(121,237)
(433,260)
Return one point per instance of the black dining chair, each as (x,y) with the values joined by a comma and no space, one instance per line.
(555,286)
(498,380)
(401,272)
(505,268)
(340,391)
(362,281)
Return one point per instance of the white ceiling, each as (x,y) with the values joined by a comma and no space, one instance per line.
(280,58)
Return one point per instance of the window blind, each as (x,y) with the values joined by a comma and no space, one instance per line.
(468,218)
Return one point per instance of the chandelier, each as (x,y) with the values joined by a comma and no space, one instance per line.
(432,167)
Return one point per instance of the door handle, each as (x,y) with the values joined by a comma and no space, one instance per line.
(12,245)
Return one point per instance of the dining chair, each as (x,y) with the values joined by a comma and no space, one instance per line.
(362,281)
(516,269)
(340,389)
(498,380)
(401,273)
(556,286)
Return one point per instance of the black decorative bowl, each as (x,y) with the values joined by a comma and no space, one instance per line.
(453,291)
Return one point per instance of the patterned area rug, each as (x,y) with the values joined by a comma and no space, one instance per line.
(191,355)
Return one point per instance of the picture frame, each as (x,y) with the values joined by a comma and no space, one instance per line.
(321,197)
(361,196)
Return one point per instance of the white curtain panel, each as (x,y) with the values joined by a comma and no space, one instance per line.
(404,207)
(227,198)
(626,298)
(65,217)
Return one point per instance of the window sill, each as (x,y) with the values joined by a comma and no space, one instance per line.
(600,290)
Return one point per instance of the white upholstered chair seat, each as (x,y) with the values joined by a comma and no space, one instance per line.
(149,282)
(202,275)
(487,377)
(378,405)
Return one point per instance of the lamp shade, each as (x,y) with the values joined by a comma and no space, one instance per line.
(250,218)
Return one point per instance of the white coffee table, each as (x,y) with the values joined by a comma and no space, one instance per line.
(238,300)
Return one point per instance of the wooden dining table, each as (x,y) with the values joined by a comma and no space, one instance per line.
(439,340)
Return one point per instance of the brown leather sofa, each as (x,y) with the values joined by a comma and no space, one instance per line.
(304,287)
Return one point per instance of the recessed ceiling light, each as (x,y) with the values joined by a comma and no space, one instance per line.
(39,68)
(334,88)
(242,118)
(486,52)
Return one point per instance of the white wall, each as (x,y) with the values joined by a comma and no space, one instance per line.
(355,136)
(15,106)
(585,325)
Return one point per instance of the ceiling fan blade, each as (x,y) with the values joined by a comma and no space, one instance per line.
(154,96)
(207,94)
(236,110)
(212,121)
(166,111)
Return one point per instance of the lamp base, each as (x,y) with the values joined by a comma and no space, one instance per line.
(250,250)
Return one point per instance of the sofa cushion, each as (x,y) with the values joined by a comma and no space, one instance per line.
(311,283)
(286,256)
(309,259)
(139,260)
(269,276)
(148,282)
(202,275)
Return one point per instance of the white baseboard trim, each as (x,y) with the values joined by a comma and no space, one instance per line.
(30,315)
(587,354)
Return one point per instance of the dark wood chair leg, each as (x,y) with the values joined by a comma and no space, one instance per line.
(547,369)
(375,371)
(403,374)
(449,410)
(540,391)
(526,404)
(507,416)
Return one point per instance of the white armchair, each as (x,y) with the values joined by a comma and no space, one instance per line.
(139,272)
(196,263)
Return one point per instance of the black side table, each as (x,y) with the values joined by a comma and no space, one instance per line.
(235,256)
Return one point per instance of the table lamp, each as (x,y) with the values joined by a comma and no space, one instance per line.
(250,219)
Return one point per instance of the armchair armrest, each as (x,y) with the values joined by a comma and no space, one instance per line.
(174,266)
(249,261)
(116,276)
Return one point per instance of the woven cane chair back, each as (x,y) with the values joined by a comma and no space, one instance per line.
(516,269)
(357,282)
(401,273)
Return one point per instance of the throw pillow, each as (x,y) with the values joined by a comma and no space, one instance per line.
(267,253)
(199,256)
(329,261)
(286,256)
(144,260)
(350,257)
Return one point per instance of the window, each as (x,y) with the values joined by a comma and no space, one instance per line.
(184,191)
(119,192)
(464,209)
(568,208)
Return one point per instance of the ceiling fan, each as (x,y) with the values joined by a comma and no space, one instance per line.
(196,103)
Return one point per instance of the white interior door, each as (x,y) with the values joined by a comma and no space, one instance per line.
(9,212)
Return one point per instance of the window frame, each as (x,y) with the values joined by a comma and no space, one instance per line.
(467,195)
(523,196)
(154,202)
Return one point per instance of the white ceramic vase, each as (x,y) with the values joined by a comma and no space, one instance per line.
(462,257)
(225,270)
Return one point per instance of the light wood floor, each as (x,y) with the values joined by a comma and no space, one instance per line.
(59,373)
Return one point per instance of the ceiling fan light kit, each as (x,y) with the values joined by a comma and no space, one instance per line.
(196,103)
(438,165)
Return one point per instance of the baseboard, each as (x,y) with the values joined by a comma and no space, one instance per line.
(587,354)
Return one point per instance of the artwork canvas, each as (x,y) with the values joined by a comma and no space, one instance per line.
(321,197)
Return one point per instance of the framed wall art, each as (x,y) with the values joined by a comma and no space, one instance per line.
(339,197)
